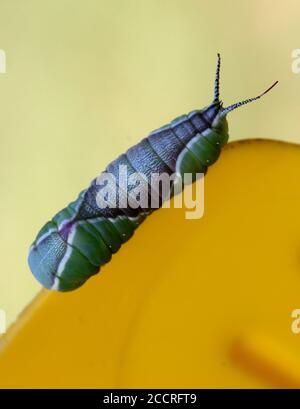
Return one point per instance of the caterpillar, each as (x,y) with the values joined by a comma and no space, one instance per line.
(82,237)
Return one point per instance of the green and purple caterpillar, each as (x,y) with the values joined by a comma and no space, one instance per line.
(82,237)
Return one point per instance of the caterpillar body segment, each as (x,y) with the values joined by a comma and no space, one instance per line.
(82,237)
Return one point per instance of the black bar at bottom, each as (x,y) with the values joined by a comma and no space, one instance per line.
(95,398)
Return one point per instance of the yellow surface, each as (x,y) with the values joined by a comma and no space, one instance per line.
(88,78)
(185,303)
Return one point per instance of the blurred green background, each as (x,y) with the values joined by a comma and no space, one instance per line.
(88,78)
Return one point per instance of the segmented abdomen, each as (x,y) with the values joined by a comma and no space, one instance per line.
(82,237)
